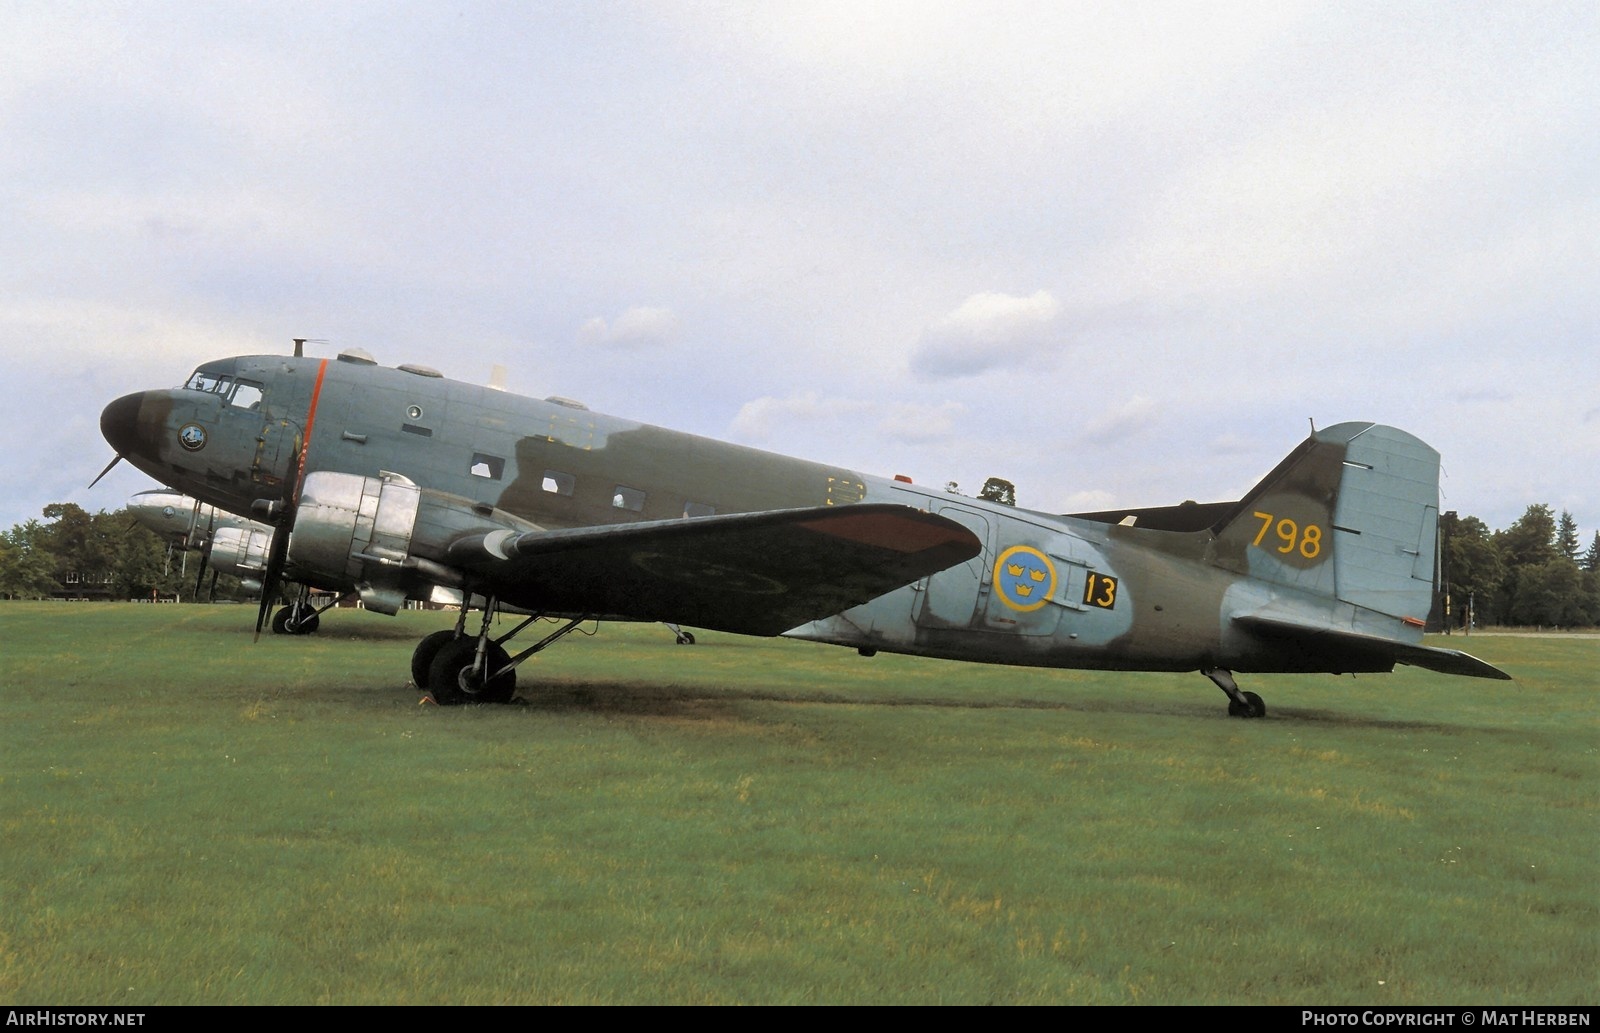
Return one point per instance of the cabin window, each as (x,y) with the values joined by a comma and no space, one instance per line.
(487,466)
(558,483)
(698,509)
(631,499)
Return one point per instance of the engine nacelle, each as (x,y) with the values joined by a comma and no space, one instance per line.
(240,551)
(383,534)
(357,529)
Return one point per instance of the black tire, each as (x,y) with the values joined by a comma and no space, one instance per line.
(422,656)
(451,681)
(295,619)
(685,638)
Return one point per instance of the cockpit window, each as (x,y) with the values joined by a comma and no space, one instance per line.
(215,383)
(242,394)
(246,396)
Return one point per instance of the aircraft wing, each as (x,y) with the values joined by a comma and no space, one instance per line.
(1325,640)
(752,573)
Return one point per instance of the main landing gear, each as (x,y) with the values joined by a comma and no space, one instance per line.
(455,667)
(300,617)
(1240,704)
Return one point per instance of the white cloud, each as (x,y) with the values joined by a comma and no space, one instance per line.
(1126,420)
(637,327)
(917,423)
(808,414)
(990,331)
(762,419)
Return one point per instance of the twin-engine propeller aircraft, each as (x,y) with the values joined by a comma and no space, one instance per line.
(228,544)
(393,482)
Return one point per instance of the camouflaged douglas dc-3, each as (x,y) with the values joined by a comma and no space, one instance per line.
(396,483)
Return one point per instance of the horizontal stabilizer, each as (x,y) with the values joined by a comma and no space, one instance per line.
(1361,652)
(752,573)
(1449,661)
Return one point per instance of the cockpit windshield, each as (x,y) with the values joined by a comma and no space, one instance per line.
(243,394)
(213,383)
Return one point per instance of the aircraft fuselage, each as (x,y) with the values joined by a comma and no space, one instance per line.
(1044,590)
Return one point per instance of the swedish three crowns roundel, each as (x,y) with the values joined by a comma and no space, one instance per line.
(1024,577)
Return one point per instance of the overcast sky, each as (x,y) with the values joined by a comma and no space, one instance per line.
(1116,253)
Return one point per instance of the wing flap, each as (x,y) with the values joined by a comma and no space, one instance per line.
(752,573)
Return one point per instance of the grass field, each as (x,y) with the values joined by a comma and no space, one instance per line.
(190,818)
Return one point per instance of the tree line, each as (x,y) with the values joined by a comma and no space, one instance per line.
(75,554)
(1534,573)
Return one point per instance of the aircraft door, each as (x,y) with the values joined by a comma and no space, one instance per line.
(950,598)
(277,447)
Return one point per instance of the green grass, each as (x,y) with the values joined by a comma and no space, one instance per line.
(192,818)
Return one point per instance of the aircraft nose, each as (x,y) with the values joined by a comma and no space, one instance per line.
(119,424)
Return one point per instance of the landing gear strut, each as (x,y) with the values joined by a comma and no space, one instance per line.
(455,667)
(1240,704)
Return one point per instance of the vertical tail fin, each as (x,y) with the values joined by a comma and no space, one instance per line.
(1351,514)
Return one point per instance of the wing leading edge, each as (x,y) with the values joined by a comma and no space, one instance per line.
(751,573)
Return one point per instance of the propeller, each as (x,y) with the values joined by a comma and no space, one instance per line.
(205,548)
(114,461)
(281,516)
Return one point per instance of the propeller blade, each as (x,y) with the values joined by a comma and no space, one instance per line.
(114,461)
(200,575)
(205,547)
(194,521)
(276,555)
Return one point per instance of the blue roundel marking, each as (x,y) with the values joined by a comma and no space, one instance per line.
(192,436)
(1024,577)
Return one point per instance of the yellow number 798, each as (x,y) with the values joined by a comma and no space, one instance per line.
(1307,541)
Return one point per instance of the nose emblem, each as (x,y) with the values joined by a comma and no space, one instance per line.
(192,437)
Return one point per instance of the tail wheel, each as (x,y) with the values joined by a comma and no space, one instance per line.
(452,680)
(1252,707)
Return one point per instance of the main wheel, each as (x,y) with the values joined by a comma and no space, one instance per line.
(295,619)
(452,680)
(422,656)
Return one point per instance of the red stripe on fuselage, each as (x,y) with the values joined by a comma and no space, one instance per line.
(305,444)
